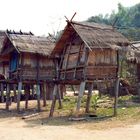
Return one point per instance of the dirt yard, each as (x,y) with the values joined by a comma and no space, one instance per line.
(13,127)
(17,129)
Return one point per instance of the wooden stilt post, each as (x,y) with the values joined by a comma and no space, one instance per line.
(32,91)
(19,95)
(27,94)
(116,96)
(7,96)
(90,88)
(117,85)
(81,92)
(44,93)
(15,94)
(55,90)
(59,97)
(38,97)
(2,92)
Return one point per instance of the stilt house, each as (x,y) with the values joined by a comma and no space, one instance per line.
(30,64)
(88,52)
(29,57)
(4,62)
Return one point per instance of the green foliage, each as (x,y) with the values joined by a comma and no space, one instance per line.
(126,20)
(94,101)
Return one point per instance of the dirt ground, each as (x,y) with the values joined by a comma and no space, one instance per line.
(13,127)
(18,129)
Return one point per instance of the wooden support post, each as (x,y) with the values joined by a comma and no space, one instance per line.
(90,88)
(32,89)
(81,92)
(59,97)
(44,93)
(15,94)
(27,94)
(38,96)
(2,92)
(55,90)
(19,95)
(116,96)
(117,85)
(7,96)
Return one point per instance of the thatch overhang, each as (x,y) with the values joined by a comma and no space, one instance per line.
(133,55)
(93,35)
(28,43)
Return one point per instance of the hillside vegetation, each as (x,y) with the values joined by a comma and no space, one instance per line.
(126,20)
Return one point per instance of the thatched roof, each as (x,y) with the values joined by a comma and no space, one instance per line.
(2,36)
(93,35)
(30,44)
(134,54)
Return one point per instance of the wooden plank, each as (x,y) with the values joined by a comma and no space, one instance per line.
(77,63)
(81,92)
(90,88)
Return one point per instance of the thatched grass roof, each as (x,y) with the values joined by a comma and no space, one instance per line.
(134,54)
(94,36)
(2,36)
(29,43)
(32,44)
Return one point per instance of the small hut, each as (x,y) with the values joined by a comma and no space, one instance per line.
(88,52)
(3,61)
(29,61)
(4,66)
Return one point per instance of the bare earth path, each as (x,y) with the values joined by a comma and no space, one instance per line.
(17,129)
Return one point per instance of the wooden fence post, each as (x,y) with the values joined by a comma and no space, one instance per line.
(27,94)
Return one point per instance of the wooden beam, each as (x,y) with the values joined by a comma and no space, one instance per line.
(90,88)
